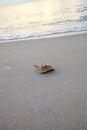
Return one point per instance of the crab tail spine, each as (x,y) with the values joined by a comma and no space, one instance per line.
(35,66)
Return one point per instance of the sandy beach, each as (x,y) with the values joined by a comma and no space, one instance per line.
(52,101)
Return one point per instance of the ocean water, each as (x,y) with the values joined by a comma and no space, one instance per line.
(28,19)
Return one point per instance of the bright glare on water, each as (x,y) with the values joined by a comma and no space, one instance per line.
(42,17)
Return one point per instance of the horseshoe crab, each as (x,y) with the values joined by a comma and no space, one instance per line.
(44,68)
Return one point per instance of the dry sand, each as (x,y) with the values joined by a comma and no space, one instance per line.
(53,101)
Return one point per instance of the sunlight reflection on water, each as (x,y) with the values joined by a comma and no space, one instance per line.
(42,18)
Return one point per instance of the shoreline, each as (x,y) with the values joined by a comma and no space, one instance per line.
(48,36)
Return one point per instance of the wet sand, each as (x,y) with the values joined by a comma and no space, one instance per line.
(53,101)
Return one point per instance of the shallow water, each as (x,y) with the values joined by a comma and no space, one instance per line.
(42,18)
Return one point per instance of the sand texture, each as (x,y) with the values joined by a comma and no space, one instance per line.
(52,101)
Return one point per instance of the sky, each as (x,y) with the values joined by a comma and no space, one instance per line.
(12,2)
